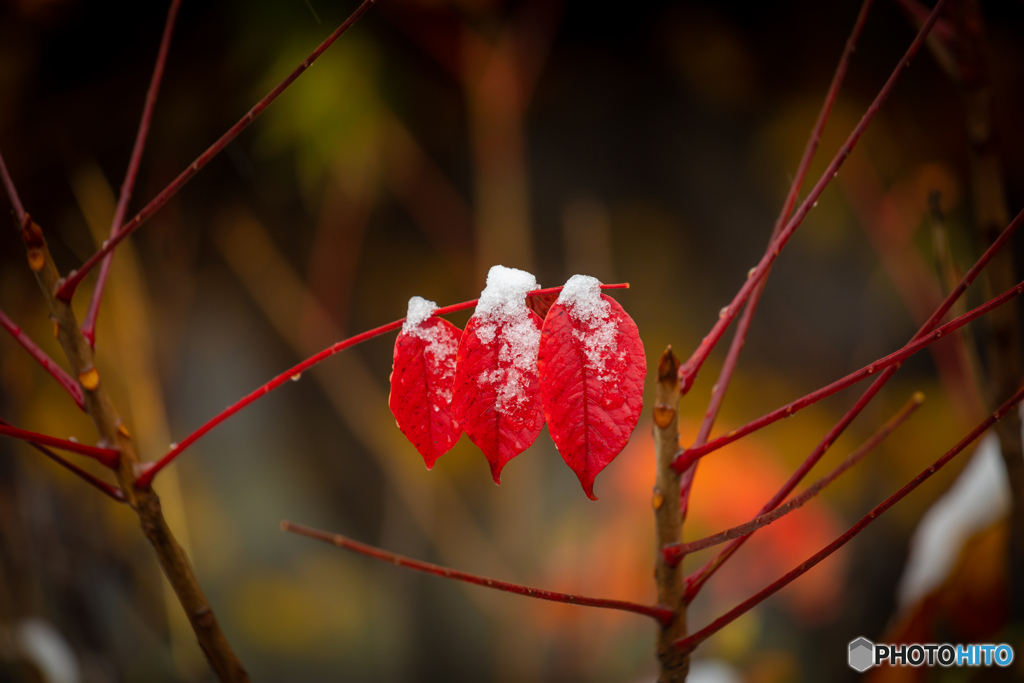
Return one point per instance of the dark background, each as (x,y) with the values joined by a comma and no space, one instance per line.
(649,143)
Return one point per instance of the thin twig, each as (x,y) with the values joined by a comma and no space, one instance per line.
(89,322)
(50,365)
(692,455)
(743,326)
(797,502)
(149,470)
(106,456)
(12,193)
(112,491)
(66,286)
(698,578)
(688,372)
(656,612)
(690,642)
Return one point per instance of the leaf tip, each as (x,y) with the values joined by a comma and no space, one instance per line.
(496,468)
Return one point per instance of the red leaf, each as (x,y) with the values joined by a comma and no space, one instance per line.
(541,303)
(496,397)
(421,385)
(592,368)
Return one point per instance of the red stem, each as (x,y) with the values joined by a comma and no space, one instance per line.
(106,456)
(676,551)
(50,365)
(112,491)
(662,615)
(739,338)
(698,578)
(918,12)
(12,193)
(150,470)
(692,455)
(89,322)
(691,641)
(66,286)
(688,371)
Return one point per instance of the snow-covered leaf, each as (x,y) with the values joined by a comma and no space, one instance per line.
(496,395)
(422,378)
(591,367)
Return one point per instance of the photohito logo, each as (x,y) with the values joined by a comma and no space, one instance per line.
(863,654)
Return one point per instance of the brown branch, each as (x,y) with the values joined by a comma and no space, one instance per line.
(145,503)
(656,612)
(675,664)
(89,322)
(688,643)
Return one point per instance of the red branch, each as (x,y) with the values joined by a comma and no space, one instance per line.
(743,326)
(50,365)
(692,455)
(688,371)
(89,322)
(698,578)
(12,193)
(677,551)
(106,456)
(919,12)
(66,286)
(662,615)
(150,470)
(692,640)
(112,491)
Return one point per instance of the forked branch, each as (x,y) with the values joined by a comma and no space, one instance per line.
(743,326)
(112,491)
(89,322)
(66,286)
(660,614)
(674,553)
(696,580)
(690,642)
(688,372)
(692,455)
(106,456)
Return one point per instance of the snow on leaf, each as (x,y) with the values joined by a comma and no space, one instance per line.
(591,366)
(496,395)
(421,381)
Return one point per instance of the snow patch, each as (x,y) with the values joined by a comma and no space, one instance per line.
(978,498)
(419,310)
(442,346)
(581,296)
(502,311)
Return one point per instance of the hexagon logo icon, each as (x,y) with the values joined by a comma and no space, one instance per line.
(862,653)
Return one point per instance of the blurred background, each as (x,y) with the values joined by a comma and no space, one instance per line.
(649,143)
